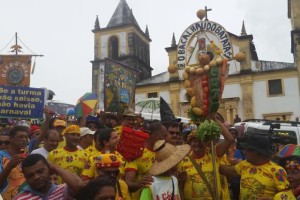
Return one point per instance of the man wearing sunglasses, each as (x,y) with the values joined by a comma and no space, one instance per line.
(172,134)
(4,140)
(107,165)
(11,175)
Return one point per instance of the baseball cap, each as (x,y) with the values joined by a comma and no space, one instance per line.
(34,128)
(60,122)
(86,131)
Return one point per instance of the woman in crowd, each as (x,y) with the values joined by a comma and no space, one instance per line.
(192,184)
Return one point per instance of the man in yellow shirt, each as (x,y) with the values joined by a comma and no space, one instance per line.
(260,177)
(136,172)
(70,157)
(107,140)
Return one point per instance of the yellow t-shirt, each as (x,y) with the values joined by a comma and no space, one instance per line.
(195,187)
(90,170)
(124,190)
(92,150)
(141,166)
(223,180)
(261,181)
(74,161)
(62,143)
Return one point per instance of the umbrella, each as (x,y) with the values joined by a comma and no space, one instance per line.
(85,104)
(150,103)
(289,151)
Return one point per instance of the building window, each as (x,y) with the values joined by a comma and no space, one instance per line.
(275,87)
(152,95)
(113,47)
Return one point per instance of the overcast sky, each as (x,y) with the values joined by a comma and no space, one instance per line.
(61,30)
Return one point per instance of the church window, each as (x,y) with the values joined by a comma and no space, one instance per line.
(113,47)
(275,87)
(152,95)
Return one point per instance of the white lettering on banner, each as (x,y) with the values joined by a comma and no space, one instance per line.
(204,26)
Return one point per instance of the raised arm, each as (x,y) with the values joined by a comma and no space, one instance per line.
(228,170)
(16,160)
(223,147)
(45,128)
(74,182)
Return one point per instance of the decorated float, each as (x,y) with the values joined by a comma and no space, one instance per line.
(203,55)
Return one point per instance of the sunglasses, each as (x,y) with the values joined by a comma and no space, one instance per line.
(174,132)
(4,142)
(112,173)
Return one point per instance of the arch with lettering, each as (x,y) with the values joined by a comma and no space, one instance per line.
(201,36)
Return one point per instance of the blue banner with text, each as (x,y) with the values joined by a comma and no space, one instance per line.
(21,102)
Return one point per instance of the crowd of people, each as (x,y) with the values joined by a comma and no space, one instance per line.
(79,159)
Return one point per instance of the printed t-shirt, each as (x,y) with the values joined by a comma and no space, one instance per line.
(56,192)
(92,150)
(15,181)
(90,169)
(262,181)
(223,180)
(195,187)
(141,166)
(74,161)
(161,189)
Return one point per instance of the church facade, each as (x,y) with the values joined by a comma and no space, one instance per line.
(254,88)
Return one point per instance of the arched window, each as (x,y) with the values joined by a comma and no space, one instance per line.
(113,47)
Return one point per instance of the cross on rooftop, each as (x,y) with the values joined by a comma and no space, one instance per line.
(206,10)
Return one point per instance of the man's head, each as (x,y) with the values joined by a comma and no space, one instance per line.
(72,135)
(60,125)
(36,171)
(86,136)
(173,132)
(99,188)
(34,131)
(92,122)
(19,137)
(4,139)
(51,140)
(157,131)
(108,138)
(110,120)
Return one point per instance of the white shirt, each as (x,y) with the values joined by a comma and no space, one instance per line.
(41,151)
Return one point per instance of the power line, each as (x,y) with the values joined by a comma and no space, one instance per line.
(7,44)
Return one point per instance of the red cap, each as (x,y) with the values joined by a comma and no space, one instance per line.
(34,128)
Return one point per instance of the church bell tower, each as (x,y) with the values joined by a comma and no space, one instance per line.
(121,40)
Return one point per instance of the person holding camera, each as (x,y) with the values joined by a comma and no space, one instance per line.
(261,179)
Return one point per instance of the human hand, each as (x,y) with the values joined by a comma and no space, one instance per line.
(234,161)
(16,160)
(54,179)
(146,181)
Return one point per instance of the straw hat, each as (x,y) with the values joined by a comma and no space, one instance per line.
(167,156)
